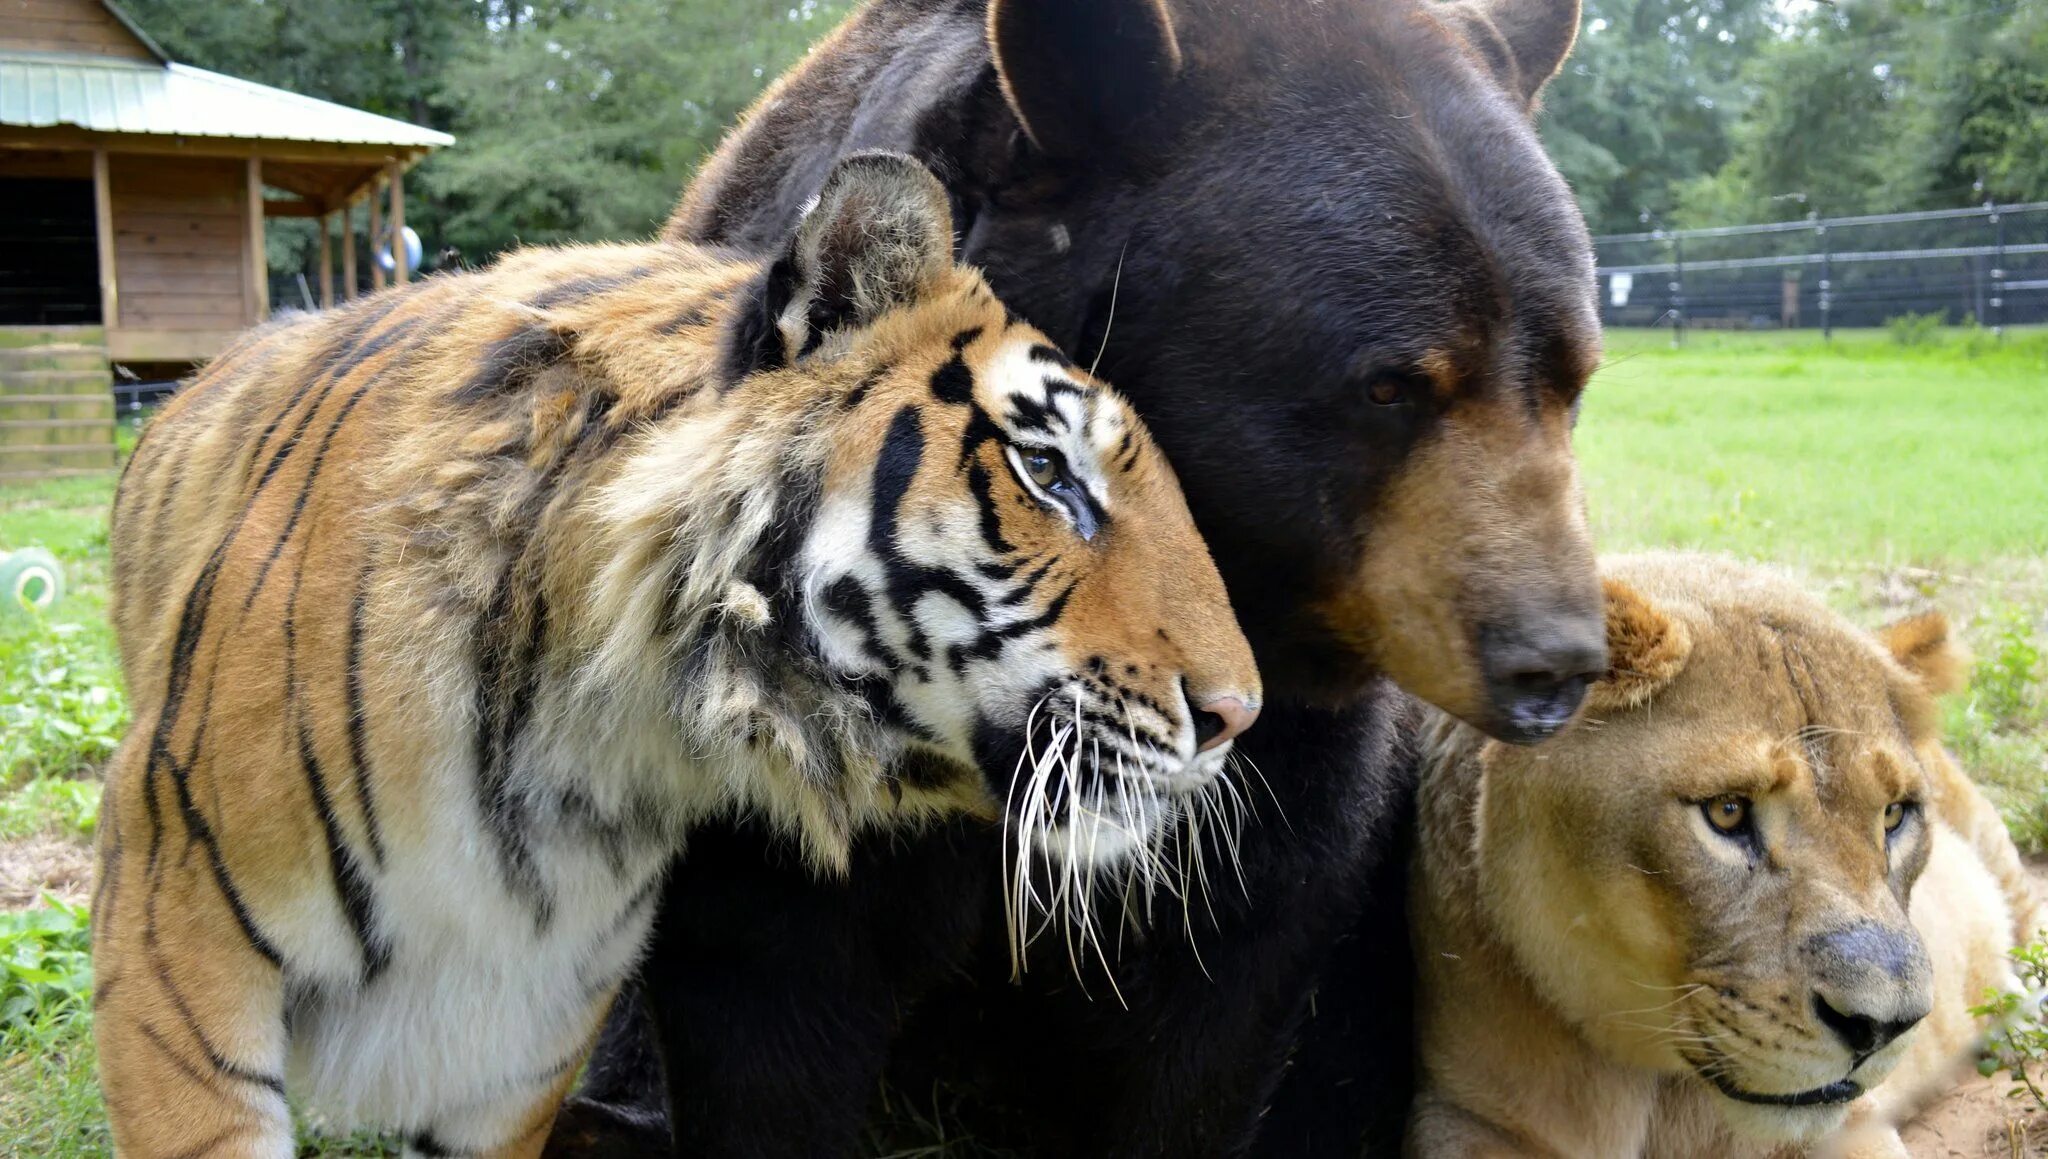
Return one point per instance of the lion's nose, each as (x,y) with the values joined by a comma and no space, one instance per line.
(1221,719)
(1872,983)
(1862,1034)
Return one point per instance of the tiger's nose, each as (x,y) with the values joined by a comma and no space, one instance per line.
(1221,719)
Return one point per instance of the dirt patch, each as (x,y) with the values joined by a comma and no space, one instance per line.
(1978,1120)
(36,865)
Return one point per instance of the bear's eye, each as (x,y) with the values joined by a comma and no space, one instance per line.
(1727,813)
(1895,815)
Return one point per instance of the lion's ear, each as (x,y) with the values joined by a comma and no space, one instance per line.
(1646,648)
(1924,646)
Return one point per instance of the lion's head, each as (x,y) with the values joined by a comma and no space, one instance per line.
(1710,874)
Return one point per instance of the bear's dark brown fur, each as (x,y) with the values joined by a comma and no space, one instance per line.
(1318,244)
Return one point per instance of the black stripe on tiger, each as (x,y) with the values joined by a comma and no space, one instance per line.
(509,364)
(154,953)
(845,599)
(372,313)
(981,487)
(953,381)
(360,772)
(989,643)
(351,885)
(498,722)
(206,1082)
(905,582)
(573,291)
(291,522)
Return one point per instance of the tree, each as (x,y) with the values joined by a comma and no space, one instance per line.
(574,120)
(583,120)
(1647,101)
(1879,105)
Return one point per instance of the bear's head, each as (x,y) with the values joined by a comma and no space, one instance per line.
(1320,248)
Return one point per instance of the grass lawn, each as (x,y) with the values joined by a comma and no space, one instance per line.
(1897,477)
(1858,451)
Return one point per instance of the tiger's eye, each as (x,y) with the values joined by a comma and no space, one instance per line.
(1384,391)
(1894,815)
(1727,813)
(1043,470)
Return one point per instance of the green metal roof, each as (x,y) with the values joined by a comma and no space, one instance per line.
(38,90)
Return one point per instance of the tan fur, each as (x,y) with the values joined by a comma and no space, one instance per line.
(1585,938)
(365,547)
(1517,537)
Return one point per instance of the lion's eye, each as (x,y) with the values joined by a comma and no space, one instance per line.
(1728,813)
(1894,816)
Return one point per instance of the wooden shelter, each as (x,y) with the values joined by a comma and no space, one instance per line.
(133,196)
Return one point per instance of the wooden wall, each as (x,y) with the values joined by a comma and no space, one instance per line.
(75,26)
(180,241)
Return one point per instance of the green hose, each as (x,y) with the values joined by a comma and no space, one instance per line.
(31,580)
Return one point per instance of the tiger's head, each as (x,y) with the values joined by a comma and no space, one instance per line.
(996,557)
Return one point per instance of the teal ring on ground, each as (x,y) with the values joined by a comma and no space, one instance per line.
(31,580)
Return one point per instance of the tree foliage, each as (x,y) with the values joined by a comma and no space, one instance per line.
(1647,99)
(581,119)
(574,120)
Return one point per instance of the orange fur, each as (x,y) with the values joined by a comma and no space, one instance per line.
(443,619)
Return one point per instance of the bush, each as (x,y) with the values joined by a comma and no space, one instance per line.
(1916,329)
(47,955)
(2005,679)
(2018,1042)
(61,708)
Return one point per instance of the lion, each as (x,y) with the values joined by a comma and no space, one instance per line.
(1742,908)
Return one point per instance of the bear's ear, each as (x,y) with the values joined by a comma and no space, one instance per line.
(1080,73)
(1924,646)
(1646,649)
(1524,41)
(880,232)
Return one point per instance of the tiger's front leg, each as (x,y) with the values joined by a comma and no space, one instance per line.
(515,1125)
(188,1005)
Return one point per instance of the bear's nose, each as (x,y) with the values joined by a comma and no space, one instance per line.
(1218,720)
(1537,675)
(1861,1033)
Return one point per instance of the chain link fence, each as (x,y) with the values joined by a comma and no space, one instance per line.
(1987,264)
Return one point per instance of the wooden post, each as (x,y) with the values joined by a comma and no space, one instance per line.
(376,232)
(103,228)
(348,249)
(256,295)
(326,259)
(398,263)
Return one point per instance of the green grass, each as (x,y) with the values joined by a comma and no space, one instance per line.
(1897,476)
(1858,451)
(61,708)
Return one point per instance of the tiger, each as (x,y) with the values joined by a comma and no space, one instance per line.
(448,613)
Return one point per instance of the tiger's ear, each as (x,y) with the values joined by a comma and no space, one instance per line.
(879,235)
(1524,42)
(1646,649)
(1080,73)
(1924,646)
